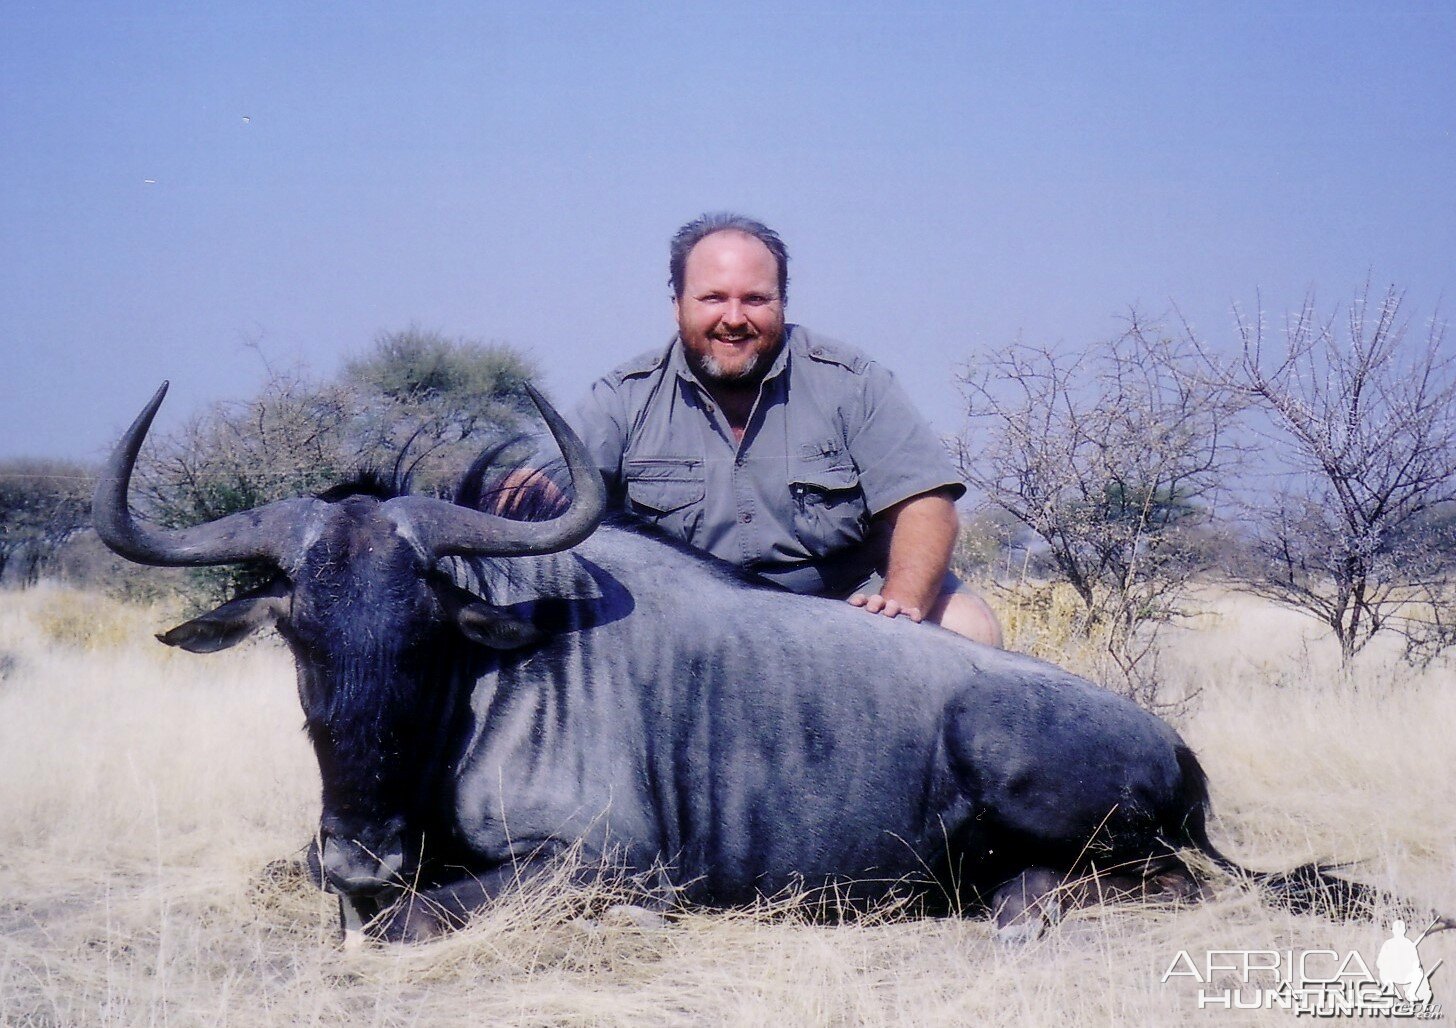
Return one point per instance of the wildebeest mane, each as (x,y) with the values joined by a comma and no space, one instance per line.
(370,481)
(508,479)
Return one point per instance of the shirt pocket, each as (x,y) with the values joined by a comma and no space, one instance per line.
(829,507)
(667,492)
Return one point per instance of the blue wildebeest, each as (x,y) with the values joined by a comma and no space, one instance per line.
(483,694)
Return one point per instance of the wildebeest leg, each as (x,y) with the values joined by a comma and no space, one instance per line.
(1168,884)
(633,915)
(1025,905)
(354,914)
(429,913)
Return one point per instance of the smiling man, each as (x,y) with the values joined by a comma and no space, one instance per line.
(790,455)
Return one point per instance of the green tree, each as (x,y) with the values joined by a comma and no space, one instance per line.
(417,405)
(293,438)
(42,504)
(428,401)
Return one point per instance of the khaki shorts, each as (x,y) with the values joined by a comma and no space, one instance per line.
(872,585)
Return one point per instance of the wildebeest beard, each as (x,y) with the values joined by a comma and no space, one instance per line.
(378,661)
(375,656)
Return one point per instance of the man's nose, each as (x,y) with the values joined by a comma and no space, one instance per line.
(734,313)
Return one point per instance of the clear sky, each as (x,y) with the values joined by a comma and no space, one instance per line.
(181,180)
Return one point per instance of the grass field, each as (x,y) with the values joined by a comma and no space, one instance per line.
(145,796)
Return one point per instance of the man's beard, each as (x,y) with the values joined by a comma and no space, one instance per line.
(711,368)
(714,370)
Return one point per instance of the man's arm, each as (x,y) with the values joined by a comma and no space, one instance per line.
(922,534)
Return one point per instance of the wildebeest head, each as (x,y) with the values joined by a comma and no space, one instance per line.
(372,624)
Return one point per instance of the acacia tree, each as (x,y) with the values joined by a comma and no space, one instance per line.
(427,401)
(1110,458)
(1362,430)
(291,439)
(43,503)
(418,405)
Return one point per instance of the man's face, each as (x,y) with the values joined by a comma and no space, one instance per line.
(730,316)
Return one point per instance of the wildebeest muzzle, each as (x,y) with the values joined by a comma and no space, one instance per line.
(361,864)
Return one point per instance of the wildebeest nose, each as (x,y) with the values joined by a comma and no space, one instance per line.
(358,870)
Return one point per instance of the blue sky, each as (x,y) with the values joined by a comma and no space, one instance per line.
(184,180)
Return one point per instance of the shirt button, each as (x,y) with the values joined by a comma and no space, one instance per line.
(746,517)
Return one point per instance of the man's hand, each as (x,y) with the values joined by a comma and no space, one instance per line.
(878,604)
(922,533)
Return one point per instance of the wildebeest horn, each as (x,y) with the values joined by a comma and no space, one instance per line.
(446,529)
(273,531)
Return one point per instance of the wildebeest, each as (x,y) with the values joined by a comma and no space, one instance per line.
(485,694)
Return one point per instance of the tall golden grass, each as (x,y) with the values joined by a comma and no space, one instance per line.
(147,798)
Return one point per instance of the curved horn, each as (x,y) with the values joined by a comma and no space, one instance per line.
(447,529)
(273,531)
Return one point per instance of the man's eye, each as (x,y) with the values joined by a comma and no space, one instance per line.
(758,300)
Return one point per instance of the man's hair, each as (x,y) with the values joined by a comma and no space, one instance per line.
(695,231)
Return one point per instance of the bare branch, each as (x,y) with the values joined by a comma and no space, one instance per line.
(1110,459)
(1358,534)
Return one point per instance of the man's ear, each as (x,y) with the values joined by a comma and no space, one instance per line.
(487,626)
(234,621)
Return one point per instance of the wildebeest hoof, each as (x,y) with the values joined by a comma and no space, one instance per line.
(630,915)
(1024,906)
(1020,934)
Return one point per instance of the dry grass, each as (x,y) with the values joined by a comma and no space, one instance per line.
(1043,619)
(144,794)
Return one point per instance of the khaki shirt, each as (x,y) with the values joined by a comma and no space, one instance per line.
(832,441)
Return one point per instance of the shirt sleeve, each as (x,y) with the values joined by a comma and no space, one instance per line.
(897,454)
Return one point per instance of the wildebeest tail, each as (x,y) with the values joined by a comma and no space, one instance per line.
(1308,889)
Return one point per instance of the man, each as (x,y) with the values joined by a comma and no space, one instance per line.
(788,454)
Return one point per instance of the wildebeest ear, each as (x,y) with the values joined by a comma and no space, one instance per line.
(233,622)
(486,625)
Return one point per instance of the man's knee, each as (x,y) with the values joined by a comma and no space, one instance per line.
(966,613)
